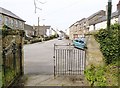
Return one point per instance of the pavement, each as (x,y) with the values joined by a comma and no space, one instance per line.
(50,80)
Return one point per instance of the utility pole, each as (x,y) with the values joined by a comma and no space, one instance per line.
(109,8)
(36,7)
(38,26)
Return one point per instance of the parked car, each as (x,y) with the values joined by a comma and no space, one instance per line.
(79,43)
(28,37)
(59,38)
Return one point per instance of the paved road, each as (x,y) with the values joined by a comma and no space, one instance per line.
(38,57)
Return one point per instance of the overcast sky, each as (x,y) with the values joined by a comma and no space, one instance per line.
(59,14)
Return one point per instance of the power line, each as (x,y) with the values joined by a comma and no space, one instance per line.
(64,8)
(40,2)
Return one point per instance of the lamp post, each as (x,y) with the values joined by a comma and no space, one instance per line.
(109,14)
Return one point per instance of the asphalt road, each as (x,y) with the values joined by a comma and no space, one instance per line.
(38,57)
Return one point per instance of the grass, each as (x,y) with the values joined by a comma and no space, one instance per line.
(112,74)
(106,75)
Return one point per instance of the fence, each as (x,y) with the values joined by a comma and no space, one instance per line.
(12,58)
(68,60)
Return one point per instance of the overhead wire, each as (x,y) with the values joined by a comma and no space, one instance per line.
(63,8)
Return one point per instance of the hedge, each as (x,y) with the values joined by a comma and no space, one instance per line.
(109,43)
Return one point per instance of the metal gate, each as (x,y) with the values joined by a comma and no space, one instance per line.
(68,60)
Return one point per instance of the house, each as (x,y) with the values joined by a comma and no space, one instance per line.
(63,34)
(41,30)
(10,19)
(102,21)
(67,31)
(29,30)
(51,32)
(96,21)
(93,19)
(13,22)
(78,29)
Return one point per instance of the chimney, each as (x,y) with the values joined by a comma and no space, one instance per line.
(118,7)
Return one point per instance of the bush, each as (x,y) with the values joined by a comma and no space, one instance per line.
(36,40)
(25,41)
(49,38)
(103,75)
(46,38)
(109,43)
(95,75)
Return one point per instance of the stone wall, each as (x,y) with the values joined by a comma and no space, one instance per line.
(93,53)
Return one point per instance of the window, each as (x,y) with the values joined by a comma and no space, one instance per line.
(6,21)
(20,24)
(12,22)
(16,22)
(0,19)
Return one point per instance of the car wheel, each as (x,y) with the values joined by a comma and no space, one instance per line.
(85,47)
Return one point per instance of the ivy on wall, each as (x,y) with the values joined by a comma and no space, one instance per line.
(7,30)
(109,43)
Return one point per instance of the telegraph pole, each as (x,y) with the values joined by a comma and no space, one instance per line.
(36,7)
(109,8)
(38,26)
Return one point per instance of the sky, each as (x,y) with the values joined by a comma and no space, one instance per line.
(59,14)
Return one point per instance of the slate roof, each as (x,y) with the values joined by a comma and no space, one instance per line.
(28,27)
(104,18)
(9,13)
(76,23)
(43,27)
(90,17)
(81,19)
